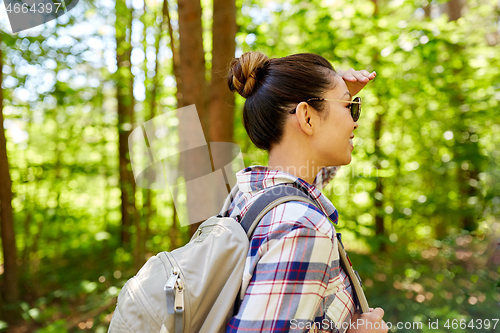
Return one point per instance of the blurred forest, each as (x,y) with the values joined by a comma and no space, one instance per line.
(419,205)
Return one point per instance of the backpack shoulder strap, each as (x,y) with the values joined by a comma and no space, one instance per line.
(281,194)
(271,198)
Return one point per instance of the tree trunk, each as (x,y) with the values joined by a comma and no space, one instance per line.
(192,71)
(25,254)
(6,215)
(173,233)
(125,99)
(467,154)
(427,11)
(221,102)
(192,58)
(167,24)
(454,9)
(147,193)
(221,109)
(379,217)
(377,128)
(375,11)
(175,51)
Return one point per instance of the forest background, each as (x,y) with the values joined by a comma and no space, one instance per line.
(419,205)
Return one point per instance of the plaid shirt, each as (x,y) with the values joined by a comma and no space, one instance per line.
(292,279)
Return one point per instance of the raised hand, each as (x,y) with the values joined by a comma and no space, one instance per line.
(356,80)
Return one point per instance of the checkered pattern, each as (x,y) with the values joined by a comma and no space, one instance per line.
(292,278)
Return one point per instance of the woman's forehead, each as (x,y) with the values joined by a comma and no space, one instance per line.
(340,90)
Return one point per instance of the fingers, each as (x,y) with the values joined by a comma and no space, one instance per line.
(362,76)
(340,72)
(349,75)
(375,315)
(358,75)
(370,322)
(378,314)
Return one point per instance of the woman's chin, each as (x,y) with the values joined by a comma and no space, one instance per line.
(341,163)
(348,160)
(338,161)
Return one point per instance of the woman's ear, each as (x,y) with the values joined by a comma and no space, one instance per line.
(306,117)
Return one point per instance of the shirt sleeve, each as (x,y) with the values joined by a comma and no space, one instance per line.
(288,283)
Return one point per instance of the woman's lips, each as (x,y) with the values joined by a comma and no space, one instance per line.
(352,144)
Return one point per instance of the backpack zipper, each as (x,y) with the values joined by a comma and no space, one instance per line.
(172,279)
(174,282)
(179,295)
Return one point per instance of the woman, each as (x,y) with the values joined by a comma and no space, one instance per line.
(298,109)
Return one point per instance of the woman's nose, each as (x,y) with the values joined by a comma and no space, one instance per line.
(355,124)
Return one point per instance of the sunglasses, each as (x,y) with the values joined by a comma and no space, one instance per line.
(354,106)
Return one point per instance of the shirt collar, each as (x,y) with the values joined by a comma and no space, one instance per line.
(258,177)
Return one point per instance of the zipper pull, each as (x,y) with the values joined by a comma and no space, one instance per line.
(179,296)
(172,279)
(169,290)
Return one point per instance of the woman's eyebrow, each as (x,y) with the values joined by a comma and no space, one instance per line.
(349,94)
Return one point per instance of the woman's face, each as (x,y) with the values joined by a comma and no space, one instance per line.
(333,136)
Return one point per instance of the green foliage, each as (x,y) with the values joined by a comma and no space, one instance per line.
(451,279)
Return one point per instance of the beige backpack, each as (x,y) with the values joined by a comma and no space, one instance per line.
(194,288)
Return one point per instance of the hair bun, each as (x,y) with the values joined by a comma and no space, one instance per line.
(245,72)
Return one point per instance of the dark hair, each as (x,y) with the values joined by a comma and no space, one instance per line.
(273,87)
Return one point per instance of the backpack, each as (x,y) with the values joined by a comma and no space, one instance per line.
(194,288)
